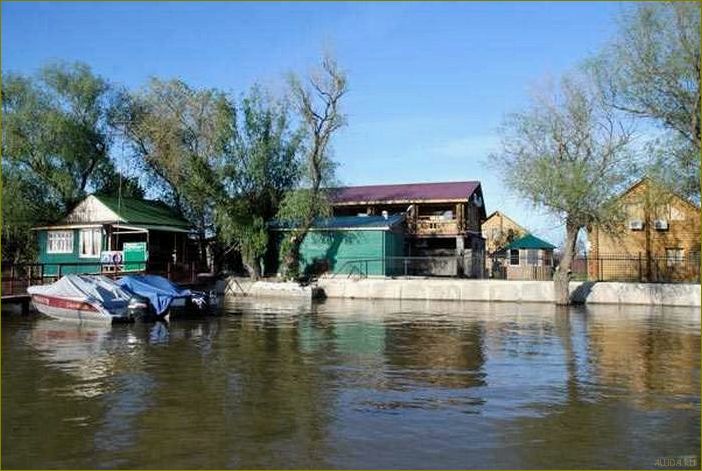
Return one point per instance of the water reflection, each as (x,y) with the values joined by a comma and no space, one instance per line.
(281,384)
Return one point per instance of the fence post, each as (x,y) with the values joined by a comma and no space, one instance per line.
(60,270)
(168,270)
(640,274)
(405,263)
(192,272)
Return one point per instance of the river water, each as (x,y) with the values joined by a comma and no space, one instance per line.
(357,384)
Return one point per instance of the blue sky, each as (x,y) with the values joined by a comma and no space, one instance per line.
(429,82)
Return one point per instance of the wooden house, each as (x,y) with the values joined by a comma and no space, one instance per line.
(526,258)
(498,230)
(657,240)
(105,232)
(443,219)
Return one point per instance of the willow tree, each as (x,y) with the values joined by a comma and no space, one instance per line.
(179,135)
(54,128)
(261,165)
(55,144)
(568,154)
(651,71)
(318,102)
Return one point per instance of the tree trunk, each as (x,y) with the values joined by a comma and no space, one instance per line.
(252,268)
(561,279)
(291,258)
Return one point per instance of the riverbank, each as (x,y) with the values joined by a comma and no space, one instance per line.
(668,294)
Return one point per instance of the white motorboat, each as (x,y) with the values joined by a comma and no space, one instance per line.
(85,298)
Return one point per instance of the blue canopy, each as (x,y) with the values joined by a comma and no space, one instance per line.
(158,290)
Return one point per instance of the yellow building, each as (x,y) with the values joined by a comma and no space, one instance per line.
(498,230)
(659,239)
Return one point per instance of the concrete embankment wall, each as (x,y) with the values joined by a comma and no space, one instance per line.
(235,286)
(512,291)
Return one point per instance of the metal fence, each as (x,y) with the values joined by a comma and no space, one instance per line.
(443,266)
(638,268)
(604,268)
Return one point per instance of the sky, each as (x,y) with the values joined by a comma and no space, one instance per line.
(429,83)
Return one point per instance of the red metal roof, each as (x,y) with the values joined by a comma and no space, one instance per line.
(405,192)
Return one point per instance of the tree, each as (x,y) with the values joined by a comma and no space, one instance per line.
(54,149)
(318,104)
(261,167)
(54,126)
(567,153)
(24,205)
(652,71)
(179,135)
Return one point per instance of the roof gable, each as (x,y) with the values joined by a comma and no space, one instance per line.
(504,217)
(91,209)
(647,182)
(410,192)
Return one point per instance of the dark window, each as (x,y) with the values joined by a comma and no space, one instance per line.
(514,257)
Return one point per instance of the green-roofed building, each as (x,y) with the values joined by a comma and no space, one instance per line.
(109,233)
(348,244)
(527,258)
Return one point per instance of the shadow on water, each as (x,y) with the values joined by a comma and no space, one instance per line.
(356,384)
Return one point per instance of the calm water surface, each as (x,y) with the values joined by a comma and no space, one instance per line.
(356,384)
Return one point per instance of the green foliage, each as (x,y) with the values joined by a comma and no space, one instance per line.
(23,206)
(180,136)
(54,147)
(568,153)
(318,106)
(54,127)
(652,71)
(261,165)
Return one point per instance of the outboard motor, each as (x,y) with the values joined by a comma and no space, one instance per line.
(139,308)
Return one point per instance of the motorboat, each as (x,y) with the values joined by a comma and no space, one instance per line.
(166,297)
(86,298)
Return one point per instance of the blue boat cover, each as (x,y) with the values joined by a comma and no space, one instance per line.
(158,290)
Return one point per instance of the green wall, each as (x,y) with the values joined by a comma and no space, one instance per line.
(51,260)
(342,248)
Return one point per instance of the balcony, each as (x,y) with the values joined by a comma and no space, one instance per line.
(435,226)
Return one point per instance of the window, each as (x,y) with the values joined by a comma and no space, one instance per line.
(59,242)
(674,257)
(514,257)
(532,257)
(90,242)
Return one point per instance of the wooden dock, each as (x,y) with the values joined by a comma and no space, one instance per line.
(22,299)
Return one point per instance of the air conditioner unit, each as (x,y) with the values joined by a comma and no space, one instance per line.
(660,224)
(636,225)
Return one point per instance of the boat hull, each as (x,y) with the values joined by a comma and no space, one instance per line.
(77,310)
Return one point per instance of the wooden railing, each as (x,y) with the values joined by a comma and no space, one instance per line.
(434,226)
(17,277)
